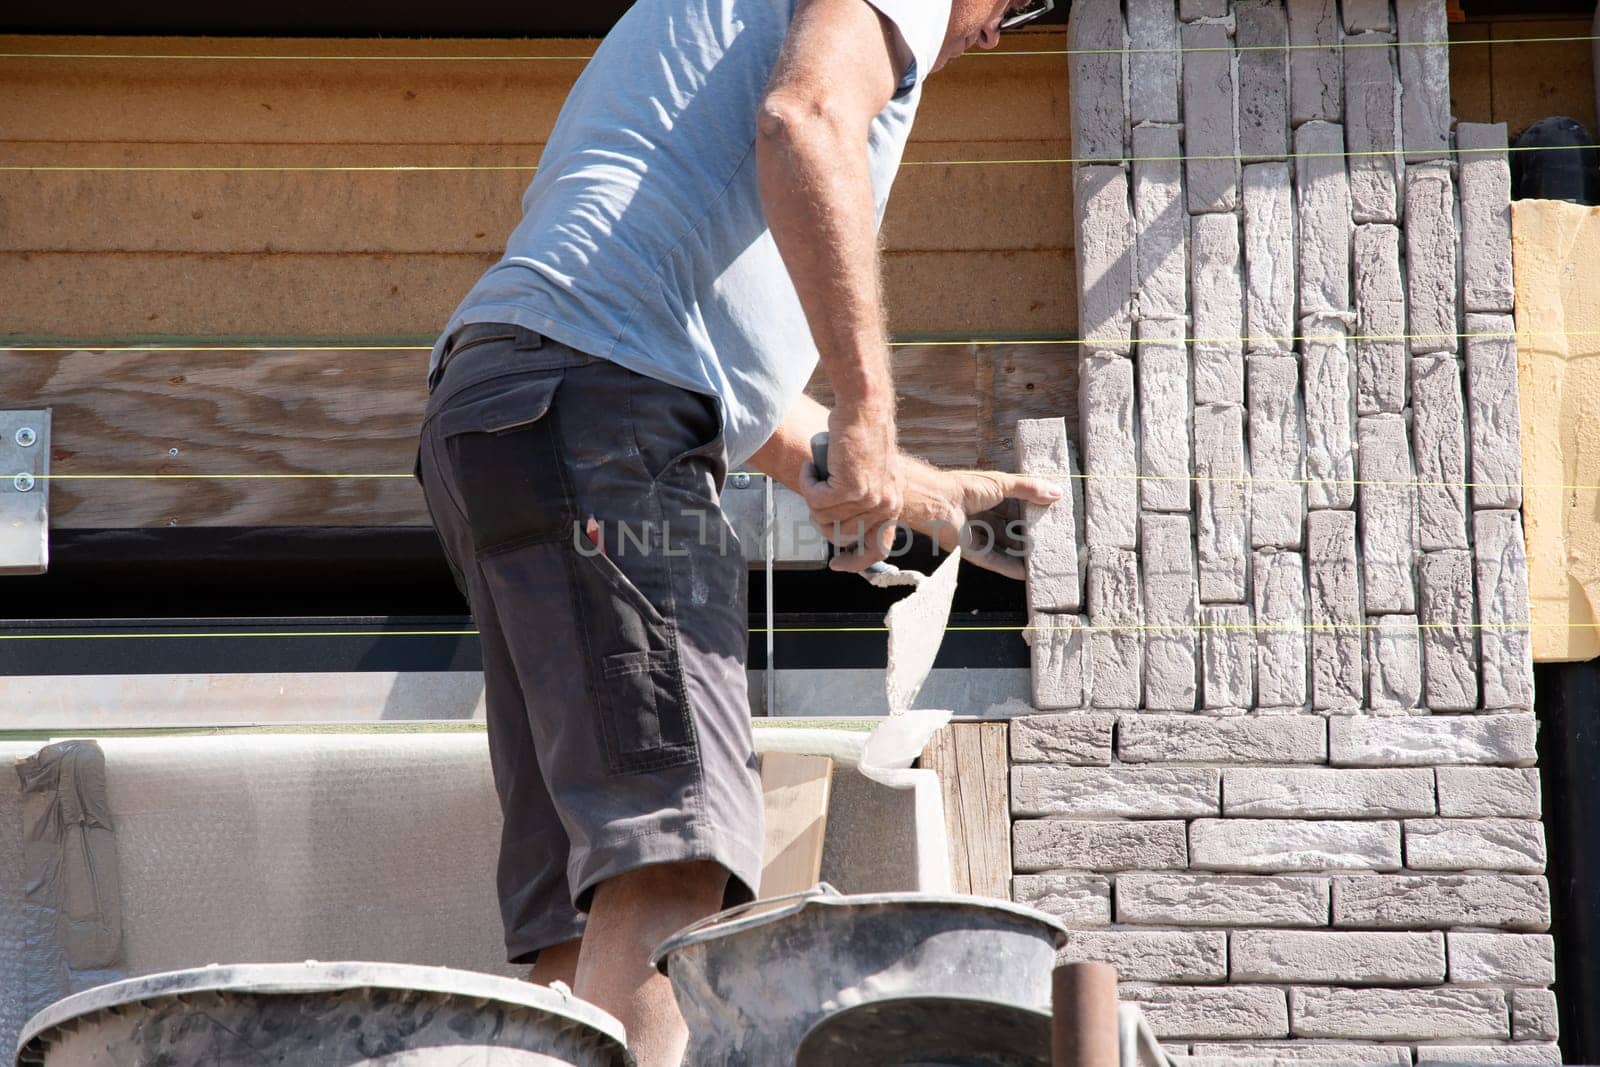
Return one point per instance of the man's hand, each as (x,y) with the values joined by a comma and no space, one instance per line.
(939,503)
(862,497)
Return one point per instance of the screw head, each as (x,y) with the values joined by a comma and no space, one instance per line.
(172,451)
(741,481)
(23,482)
(26,437)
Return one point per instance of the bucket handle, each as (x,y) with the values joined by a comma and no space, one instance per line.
(792,902)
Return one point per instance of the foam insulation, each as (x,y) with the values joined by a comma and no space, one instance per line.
(1556,261)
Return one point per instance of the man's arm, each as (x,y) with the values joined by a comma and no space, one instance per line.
(936,502)
(839,66)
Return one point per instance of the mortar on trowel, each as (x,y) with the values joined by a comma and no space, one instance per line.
(819,978)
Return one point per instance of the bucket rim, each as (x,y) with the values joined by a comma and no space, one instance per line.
(316,976)
(738,919)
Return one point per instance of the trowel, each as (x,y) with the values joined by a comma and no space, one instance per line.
(916,625)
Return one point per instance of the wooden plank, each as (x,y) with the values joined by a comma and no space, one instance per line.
(940,757)
(971,761)
(795,791)
(1537,79)
(1023,382)
(1470,96)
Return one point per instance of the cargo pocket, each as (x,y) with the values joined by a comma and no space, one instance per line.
(643,704)
(505,465)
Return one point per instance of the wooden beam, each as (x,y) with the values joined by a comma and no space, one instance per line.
(971,761)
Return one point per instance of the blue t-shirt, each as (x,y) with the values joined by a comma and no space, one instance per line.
(643,239)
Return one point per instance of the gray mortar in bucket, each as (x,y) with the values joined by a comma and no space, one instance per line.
(753,983)
(322,1015)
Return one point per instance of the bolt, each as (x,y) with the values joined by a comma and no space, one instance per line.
(172,451)
(23,482)
(741,481)
(26,437)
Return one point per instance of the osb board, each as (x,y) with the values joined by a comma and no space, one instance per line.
(150,246)
(1535,79)
(1556,251)
(310,412)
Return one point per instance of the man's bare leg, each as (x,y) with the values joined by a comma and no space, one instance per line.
(558,963)
(630,915)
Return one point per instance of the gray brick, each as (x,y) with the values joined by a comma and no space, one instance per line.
(1228,656)
(1073,844)
(1115,601)
(1502,959)
(1161,249)
(1076,739)
(1280,603)
(1269,257)
(1475,844)
(1152,61)
(1334,584)
(1277,445)
(1394,661)
(1380,321)
(1330,417)
(1431,249)
(1055,575)
(1322,195)
(1222,515)
(1153,955)
(1372,127)
(1218,309)
(1170,648)
(1424,80)
(1262,32)
(1501,568)
(1096,40)
(1222,900)
(1075,899)
(1164,412)
(1110,451)
(1346,958)
(1531,1052)
(1419,741)
(1103,221)
(1211,166)
(1062,675)
(1449,637)
(1432,902)
(1439,442)
(1388,500)
(1116,792)
(1494,411)
(1327,793)
(1316,75)
(1300,1051)
(1189,10)
(1363,15)
(1247,739)
(1485,179)
(1272,845)
(1397,1014)
(1240,1011)
(1508,791)
(1533,1015)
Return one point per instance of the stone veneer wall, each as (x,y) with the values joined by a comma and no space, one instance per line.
(1289,785)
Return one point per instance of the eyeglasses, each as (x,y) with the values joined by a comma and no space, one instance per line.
(1023,12)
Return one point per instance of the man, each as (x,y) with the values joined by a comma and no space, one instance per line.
(702,229)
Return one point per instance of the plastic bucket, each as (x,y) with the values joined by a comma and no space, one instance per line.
(752,984)
(323,1015)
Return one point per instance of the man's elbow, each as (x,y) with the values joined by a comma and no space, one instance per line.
(788,118)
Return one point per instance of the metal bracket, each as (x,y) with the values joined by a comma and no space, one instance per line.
(24,492)
(795,544)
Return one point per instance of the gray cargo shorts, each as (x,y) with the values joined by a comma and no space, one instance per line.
(579,505)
